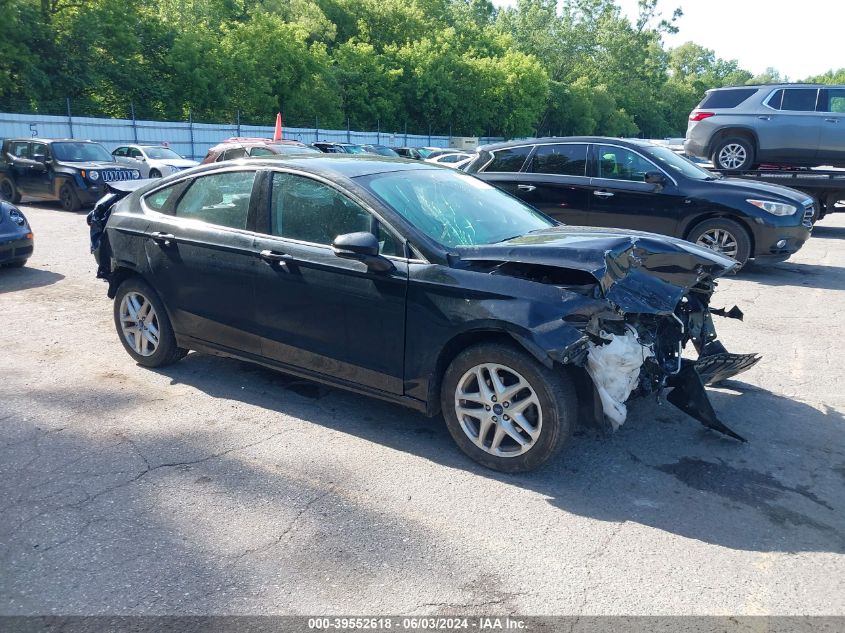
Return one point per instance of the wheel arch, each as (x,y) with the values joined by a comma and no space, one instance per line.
(721,215)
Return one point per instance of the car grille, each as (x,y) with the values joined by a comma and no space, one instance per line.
(809,211)
(113,175)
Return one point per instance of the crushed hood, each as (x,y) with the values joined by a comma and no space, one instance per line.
(638,272)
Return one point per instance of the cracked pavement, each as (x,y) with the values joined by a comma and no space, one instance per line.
(216,487)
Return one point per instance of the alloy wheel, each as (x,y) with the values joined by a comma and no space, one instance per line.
(732,156)
(139,323)
(719,240)
(498,410)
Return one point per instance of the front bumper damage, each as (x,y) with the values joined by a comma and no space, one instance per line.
(651,299)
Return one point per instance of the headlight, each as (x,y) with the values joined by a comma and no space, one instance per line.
(136,173)
(775,208)
(94,175)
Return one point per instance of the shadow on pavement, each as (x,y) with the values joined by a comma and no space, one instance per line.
(15,279)
(795,274)
(829,232)
(780,492)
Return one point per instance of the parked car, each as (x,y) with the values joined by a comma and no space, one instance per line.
(415,284)
(16,240)
(440,151)
(409,152)
(73,172)
(339,148)
(153,161)
(381,150)
(634,184)
(741,127)
(241,147)
(451,159)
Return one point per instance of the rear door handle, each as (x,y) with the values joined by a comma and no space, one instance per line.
(832,120)
(275,258)
(603,194)
(764,117)
(526,187)
(163,239)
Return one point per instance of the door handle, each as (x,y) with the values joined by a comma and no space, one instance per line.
(603,194)
(163,239)
(526,187)
(832,120)
(274,258)
(764,117)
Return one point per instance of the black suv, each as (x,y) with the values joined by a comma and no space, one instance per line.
(73,172)
(631,184)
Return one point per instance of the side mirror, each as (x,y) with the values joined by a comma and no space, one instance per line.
(39,158)
(655,178)
(364,247)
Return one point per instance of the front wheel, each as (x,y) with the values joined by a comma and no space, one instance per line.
(143,325)
(8,191)
(504,409)
(69,198)
(724,236)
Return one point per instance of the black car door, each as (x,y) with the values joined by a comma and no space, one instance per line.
(621,198)
(200,250)
(42,172)
(22,167)
(555,181)
(317,311)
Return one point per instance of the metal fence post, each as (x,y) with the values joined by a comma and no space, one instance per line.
(134,122)
(450,135)
(69,117)
(378,131)
(191,130)
(316,129)
(406,134)
(429,134)
(348,133)
(238,120)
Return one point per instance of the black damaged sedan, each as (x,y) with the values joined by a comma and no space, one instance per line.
(415,284)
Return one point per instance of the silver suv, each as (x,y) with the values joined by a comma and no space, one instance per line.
(740,127)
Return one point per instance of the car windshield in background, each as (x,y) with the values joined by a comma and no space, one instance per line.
(425,153)
(673,163)
(455,209)
(354,149)
(161,153)
(71,152)
(290,150)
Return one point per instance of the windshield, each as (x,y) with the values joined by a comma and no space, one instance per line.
(671,162)
(353,149)
(80,152)
(290,150)
(161,153)
(455,209)
(425,153)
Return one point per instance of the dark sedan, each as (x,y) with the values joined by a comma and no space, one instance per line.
(637,185)
(416,284)
(16,241)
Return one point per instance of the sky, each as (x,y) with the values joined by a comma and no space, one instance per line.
(798,38)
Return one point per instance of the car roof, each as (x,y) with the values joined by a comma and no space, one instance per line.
(563,139)
(776,85)
(51,140)
(348,165)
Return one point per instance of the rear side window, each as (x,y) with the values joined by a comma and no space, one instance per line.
(834,100)
(565,160)
(162,200)
(260,151)
(794,99)
(729,98)
(508,160)
(221,199)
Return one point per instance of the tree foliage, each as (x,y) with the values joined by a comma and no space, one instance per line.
(581,67)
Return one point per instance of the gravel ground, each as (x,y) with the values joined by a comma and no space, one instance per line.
(213,486)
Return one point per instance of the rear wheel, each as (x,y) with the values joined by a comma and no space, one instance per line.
(734,154)
(504,409)
(69,198)
(143,325)
(8,191)
(724,236)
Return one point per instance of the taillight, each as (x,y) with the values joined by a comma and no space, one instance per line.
(700,116)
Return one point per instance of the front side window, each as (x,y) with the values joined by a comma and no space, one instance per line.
(220,199)
(835,101)
(455,209)
(565,160)
(260,151)
(311,211)
(508,160)
(619,163)
(120,152)
(134,152)
(40,149)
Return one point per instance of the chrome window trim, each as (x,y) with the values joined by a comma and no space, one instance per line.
(648,160)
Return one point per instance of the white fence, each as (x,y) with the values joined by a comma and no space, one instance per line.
(189,139)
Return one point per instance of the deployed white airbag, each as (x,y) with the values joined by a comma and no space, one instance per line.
(615,370)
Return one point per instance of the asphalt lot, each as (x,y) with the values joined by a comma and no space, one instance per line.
(213,487)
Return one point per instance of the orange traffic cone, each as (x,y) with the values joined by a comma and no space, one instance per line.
(277,136)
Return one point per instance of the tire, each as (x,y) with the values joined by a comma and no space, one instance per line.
(551,413)
(69,198)
(8,191)
(723,236)
(154,173)
(135,296)
(18,264)
(733,154)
